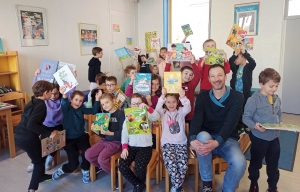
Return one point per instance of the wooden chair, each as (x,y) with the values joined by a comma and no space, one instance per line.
(152,165)
(217,160)
(90,118)
(193,167)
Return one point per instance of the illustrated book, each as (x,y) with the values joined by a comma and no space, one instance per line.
(137,121)
(49,145)
(172,82)
(65,77)
(142,83)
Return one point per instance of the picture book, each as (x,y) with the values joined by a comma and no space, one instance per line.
(179,51)
(101,121)
(215,56)
(120,99)
(172,82)
(187,30)
(155,44)
(47,68)
(142,83)
(1,48)
(49,145)
(248,44)
(236,36)
(124,53)
(151,60)
(282,127)
(71,66)
(137,121)
(65,77)
(148,37)
(5,105)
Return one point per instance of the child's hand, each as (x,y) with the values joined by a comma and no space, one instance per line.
(37,72)
(259,127)
(132,78)
(224,55)
(75,73)
(53,134)
(98,95)
(242,48)
(103,132)
(167,58)
(143,105)
(124,154)
(103,86)
(203,60)
(62,90)
(106,73)
(163,92)
(237,52)
(147,51)
(192,59)
(182,93)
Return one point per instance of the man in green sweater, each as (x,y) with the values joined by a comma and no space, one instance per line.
(213,130)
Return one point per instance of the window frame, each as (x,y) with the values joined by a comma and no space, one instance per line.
(286,12)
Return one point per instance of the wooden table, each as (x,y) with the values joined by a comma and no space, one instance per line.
(10,129)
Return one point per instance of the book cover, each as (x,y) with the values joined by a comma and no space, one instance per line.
(124,53)
(187,30)
(49,145)
(142,83)
(65,77)
(148,37)
(151,61)
(5,105)
(155,44)
(137,121)
(215,56)
(48,68)
(248,43)
(172,82)
(1,48)
(101,121)
(179,51)
(236,36)
(282,127)
(71,66)
(120,99)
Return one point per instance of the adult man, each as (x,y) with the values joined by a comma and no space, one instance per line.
(213,130)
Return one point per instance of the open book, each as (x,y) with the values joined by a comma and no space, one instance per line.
(124,53)
(282,127)
(179,51)
(137,121)
(49,145)
(65,77)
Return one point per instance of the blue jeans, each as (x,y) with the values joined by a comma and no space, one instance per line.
(230,151)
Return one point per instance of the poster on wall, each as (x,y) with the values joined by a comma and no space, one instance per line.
(128,41)
(32,25)
(88,38)
(246,16)
(116,27)
(248,44)
(148,37)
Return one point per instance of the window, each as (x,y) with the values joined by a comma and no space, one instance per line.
(292,9)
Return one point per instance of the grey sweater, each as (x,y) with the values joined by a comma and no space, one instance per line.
(259,110)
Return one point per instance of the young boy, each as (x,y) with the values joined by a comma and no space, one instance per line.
(76,137)
(129,70)
(100,84)
(111,84)
(242,75)
(190,78)
(142,66)
(94,66)
(205,85)
(264,107)
(155,70)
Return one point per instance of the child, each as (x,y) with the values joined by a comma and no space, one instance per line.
(31,127)
(242,75)
(162,62)
(190,79)
(205,85)
(155,70)
(137,148)
(143,66)
(111,85)
(100,153)
(94,66)
(100,84)
(186,63)
(129,70)
(174,140)
(264,107)
(76,137)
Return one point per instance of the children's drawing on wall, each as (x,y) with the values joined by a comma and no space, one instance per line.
(248,44)
(116,27)
(128,41)
(179,51)
(32,25)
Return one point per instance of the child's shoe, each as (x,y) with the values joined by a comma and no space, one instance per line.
(207,186)
(272,190)
(48,164)
(85,176)
(254,188)
(139,188)
(56,175)
(179,189)
(30,168)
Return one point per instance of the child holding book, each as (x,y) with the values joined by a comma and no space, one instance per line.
(137,148)
(76,137)
(174,140)
(163,62)
(264,107)
(205,85)
(100,153)
(100,84)
(129,70)
(30,128)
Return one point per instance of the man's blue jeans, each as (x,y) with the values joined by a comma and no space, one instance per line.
(230,151)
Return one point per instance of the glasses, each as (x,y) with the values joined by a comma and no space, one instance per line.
(110,85)
(135,104)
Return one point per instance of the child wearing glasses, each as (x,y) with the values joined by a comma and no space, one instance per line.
(111,85)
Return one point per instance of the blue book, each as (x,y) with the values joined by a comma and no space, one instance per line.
(142,83)
(1,48)
(48,68)
(124,53)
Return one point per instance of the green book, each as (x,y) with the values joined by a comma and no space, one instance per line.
(137,121)
(187,30)
(101,121)
(215,56)
(282,127)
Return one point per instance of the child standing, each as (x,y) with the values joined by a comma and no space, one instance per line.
(264,107)
(94,66)
(100,153)
(137,148)
(129,70)
(162,62)
(174,140)
(31,127)
(205,85)
(76,137)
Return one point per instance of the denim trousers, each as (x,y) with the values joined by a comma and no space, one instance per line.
(230,151)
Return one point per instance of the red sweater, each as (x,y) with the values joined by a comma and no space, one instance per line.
(189,88)
(205,84)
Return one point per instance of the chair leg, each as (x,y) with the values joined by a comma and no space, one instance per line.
(196,182)
(214,172)
(113,176)
(148,175)
(219,168)
(167,180)
(3,136)
(56,158)
(157,173)
(93,173)
(120,178)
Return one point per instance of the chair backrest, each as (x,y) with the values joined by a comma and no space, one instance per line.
(244,142)
(15,98)
(156,129)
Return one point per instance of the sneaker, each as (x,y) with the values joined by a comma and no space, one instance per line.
(254,188)
(48,164)
(140,187)
(85,176)
(56,175)
(179,189)
(30,168)
(173,189)
(272,190)
(207,189)
(98,170)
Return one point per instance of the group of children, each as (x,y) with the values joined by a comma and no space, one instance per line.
(51,110)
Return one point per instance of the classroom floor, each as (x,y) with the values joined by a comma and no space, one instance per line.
(14,177)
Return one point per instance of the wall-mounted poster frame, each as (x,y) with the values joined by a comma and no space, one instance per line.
(88,38)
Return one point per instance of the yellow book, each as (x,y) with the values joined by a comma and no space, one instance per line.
(172,82)
(235,37)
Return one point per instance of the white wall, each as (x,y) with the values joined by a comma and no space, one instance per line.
(63,17)
(267,44)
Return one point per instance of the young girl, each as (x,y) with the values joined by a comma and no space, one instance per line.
(163,63)
(137,148)
(31,127)
(76,138)
(174,140)
(54,117)
(100,153)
